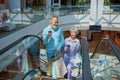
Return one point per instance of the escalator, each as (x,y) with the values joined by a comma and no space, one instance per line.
(15,62)
(104,64)
(84,72)
(17,68)
(105,61)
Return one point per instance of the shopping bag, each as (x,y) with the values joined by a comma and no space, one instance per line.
(43,60)
(58,68)
(57,56)
(43,54)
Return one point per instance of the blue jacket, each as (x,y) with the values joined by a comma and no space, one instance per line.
(55,42)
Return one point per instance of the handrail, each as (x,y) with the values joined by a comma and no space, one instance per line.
(30,74)
(112,44)
(15,43)
(86,72)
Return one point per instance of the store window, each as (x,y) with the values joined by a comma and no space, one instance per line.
(56,1)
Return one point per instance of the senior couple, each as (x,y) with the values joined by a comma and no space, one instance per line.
(55,44)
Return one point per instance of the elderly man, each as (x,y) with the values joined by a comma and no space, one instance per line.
(53,39)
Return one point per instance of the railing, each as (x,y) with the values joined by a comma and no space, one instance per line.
(16,42)
(28,16)
(86,73)
(112,44)
(20,19)
(28,76)
(105,60)
(14,59)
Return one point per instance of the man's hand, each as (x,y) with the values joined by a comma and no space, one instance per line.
(57,51)
(49,35)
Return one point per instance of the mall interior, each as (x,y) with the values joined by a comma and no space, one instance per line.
(21,27)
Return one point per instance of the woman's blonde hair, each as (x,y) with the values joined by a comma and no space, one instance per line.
(74,29)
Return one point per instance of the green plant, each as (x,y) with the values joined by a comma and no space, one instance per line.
(106,2)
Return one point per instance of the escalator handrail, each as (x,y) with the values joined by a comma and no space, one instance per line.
(86,72)
(15,43)
(112,44)
(30,74)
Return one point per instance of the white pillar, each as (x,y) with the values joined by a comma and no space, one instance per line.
(48,8)
(14,5)
(48,3)
(96,12)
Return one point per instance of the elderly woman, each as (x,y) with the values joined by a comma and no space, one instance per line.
(70,49)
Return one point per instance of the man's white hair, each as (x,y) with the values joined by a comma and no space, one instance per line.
(74,29)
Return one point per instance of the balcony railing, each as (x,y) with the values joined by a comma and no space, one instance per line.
(21,19)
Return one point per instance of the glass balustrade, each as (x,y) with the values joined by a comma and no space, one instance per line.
(17,58)
(105,64)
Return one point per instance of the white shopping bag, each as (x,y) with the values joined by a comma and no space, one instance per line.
(43,54)
(60,68)
(43,60)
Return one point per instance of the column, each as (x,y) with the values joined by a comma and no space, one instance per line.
(14,5)
(48,8)
(96,12)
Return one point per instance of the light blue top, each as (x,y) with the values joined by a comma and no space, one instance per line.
(73,47)
(55,42)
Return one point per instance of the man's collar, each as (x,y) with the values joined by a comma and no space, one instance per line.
(49,26)
(53,29)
